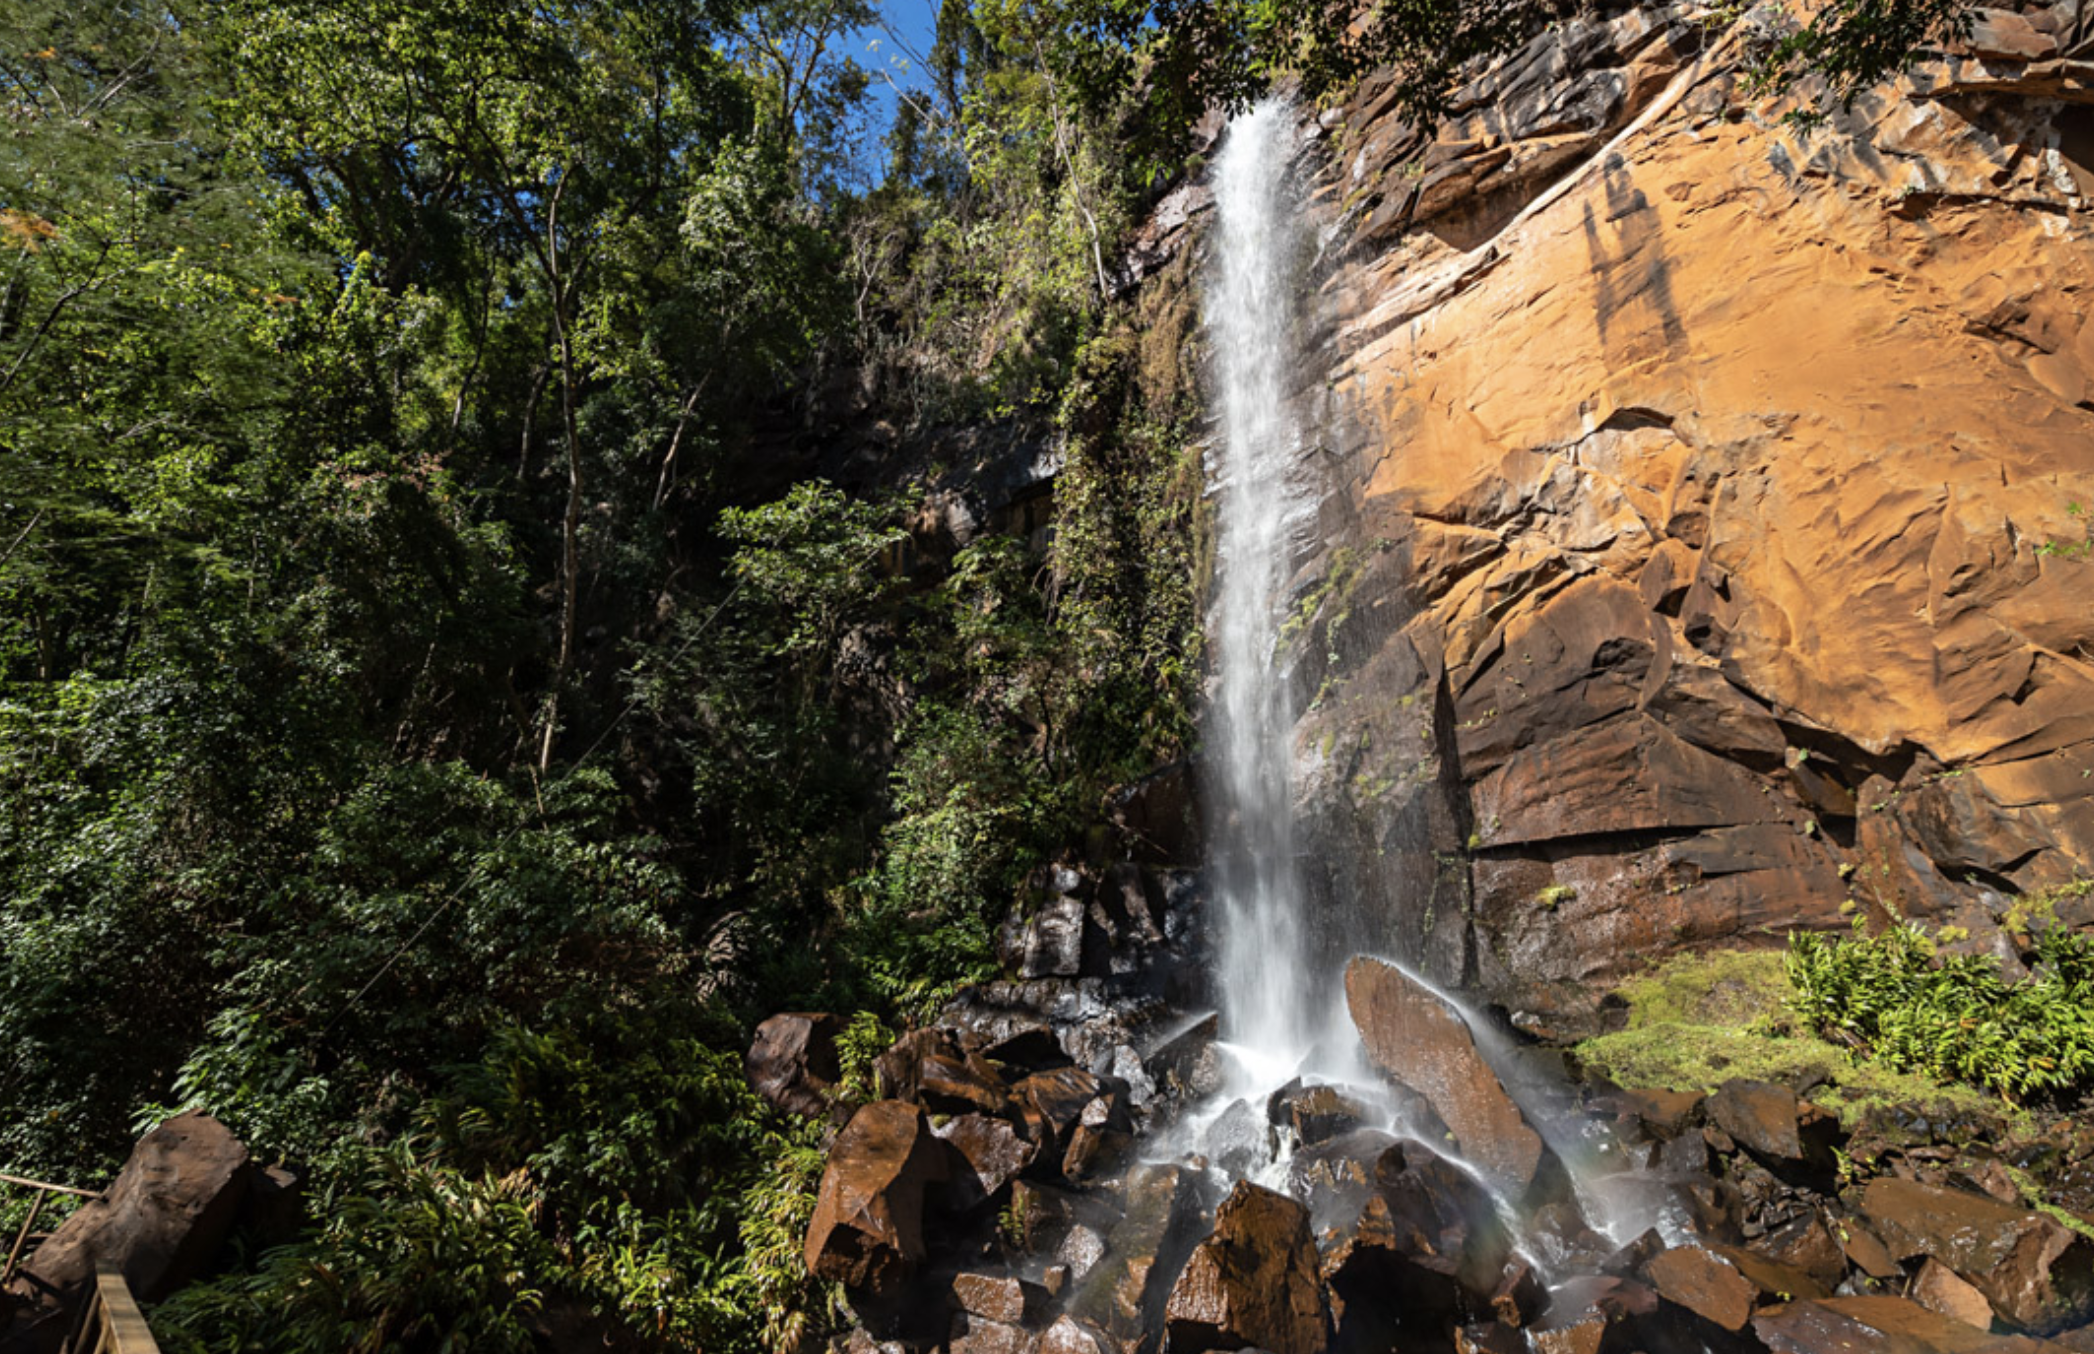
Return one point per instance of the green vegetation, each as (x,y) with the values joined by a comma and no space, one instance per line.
(1900,1002)
(1698,1020)
(432,728)
(1884,1019)
(2073,550)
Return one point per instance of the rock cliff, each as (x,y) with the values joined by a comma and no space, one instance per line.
(1705,549)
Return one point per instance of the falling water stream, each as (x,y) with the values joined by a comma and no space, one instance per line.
(1272,1016)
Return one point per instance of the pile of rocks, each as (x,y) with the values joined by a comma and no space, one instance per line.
(993,1201)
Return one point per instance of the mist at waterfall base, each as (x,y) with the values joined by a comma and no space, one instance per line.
(1280,960)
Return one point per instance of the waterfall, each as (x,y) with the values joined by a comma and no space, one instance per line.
(1274,1008)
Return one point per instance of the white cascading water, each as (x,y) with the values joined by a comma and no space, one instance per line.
(1275,1010)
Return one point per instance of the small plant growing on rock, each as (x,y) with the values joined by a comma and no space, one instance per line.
(1555,896)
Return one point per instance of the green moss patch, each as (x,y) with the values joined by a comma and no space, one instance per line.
(1713,987)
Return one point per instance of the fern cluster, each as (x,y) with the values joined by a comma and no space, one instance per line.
(1895,998)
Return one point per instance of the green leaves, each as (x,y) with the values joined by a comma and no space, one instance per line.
(1893,997)
(816,556)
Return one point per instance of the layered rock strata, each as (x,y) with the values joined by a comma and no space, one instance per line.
(1706,545)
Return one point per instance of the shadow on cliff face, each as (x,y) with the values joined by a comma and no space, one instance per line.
(1632,279)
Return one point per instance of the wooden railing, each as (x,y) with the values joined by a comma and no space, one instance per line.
(44,1190)
(109,1321)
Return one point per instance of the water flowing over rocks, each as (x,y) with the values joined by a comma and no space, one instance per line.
(1417,1038)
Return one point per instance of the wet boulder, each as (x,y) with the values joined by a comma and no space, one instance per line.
(1426,1247)
(1593,1315)
(1081,1248)
(1665,1115)
(1418,1038)
(1559,1233)
(2036,1274)
(1443,1219)
(1520,1295)
(1238,1141)
(1866,1251)
(971,1334)
(1051,1104)
(1333,1178)
(1253,1283)
(898,1072)
(960,1083)
(1706,1282)
(1771,1279)
(1937,1288)
(867,1230)
(1070,1336)
(1045,939)
(994,1152)
(1807,1244)
(999,1297)
(1100,1137)
(1880,1325)
(1312,1114)
(1186,1063)
(792,1062)
(1769,1121)
(160,1222)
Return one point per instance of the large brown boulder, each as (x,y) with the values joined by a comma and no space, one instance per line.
(1425,1248)
(1772,1122)
(1881,1325)
(792,1062)
(1704,1283)
(2036,1274)
(1417,1038)
(867,1230)
(1252,1284)
(160,1222)
(994,1153)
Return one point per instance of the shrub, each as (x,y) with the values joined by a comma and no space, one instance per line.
(1894,998)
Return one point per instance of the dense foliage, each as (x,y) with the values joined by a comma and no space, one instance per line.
(445,703)
(1896,998)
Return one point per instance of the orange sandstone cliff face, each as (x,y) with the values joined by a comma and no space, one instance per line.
(1705,553)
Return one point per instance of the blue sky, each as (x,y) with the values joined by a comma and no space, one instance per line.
(891,50)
